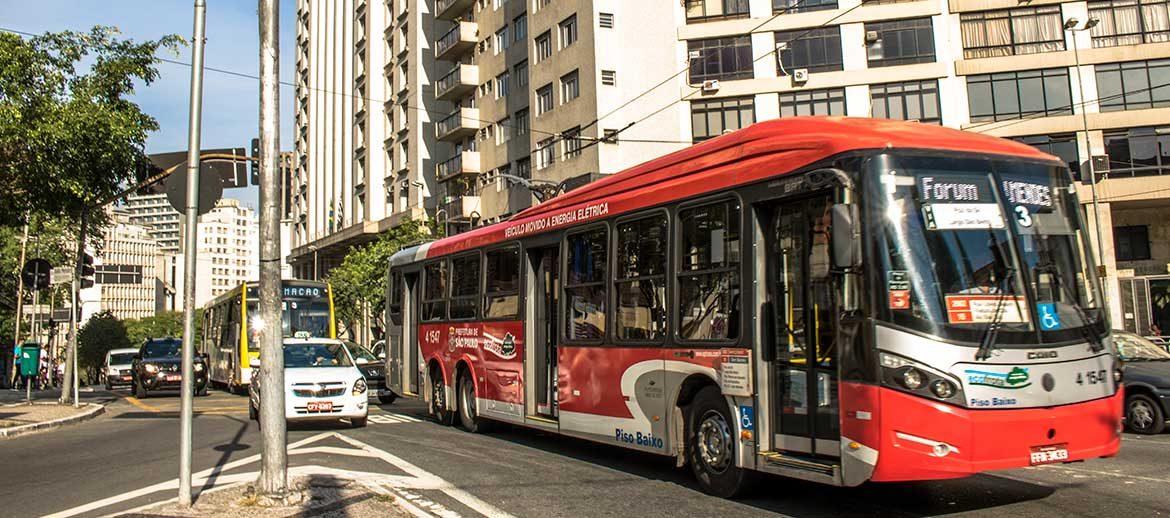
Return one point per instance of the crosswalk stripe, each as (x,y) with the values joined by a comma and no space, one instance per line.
(392,419)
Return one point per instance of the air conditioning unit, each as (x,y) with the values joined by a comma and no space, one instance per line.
(711,85)
(694,54)
(800,76)
(871,37)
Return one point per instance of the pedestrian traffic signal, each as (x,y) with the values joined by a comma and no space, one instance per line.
(85,270)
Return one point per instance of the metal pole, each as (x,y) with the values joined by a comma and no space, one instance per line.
(1092,174)
(19,300)
(273,456)
(71,377)
(187,385)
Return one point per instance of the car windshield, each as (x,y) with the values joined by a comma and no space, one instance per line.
(361,353)
(162,348)
(968,241)
(121,358)
(308,355)
(1133,348)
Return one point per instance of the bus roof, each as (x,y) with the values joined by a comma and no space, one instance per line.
(746,156)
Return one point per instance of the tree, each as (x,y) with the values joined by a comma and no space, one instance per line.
(359,283)
(69,136)
(167,323)
(97,337)
(52,239)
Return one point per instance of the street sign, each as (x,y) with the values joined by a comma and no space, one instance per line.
(233,173)
(210,191)
(60,275)
(35,274)
(35,309)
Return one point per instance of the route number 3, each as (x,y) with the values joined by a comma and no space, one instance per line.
(1023,217)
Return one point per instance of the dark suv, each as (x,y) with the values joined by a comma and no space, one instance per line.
(158,366)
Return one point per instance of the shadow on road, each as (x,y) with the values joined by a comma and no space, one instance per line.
(227,450)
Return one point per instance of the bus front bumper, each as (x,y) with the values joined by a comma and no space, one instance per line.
(922,439)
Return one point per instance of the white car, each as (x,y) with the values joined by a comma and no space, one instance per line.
(321,382)
(117,368)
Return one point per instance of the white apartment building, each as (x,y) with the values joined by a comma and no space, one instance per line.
(128,269)
(229,253)
(362,117)
(154,212)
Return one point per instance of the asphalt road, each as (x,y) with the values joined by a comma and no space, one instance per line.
(527,473)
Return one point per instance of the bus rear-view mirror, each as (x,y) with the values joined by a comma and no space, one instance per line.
(846,246)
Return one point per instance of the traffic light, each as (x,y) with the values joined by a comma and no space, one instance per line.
(255,161)
(86,270)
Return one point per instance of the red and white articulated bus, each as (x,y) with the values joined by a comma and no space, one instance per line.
(831,299)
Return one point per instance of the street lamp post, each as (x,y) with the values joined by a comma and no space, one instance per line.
(1070,25)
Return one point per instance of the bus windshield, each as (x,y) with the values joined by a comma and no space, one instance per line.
(296,316)
(965,242)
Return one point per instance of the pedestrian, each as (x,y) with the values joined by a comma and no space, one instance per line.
(1155,330)
(18,378)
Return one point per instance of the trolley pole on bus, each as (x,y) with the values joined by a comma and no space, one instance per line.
(273,481)
(187,387)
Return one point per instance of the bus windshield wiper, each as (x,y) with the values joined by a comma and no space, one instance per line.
(987,343)
(1095,343)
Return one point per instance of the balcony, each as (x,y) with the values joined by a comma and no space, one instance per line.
(462,208)
(465,163)
(461,81)
(458,40)
(451,9)
(464,122)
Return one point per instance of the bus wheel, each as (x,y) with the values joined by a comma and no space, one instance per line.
(468,417)
(1143,415)
(711,446)
(438,407)
(388,398)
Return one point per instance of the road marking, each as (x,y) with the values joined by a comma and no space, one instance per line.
(434,508)
(393,419)
(134,401)
(1051,467)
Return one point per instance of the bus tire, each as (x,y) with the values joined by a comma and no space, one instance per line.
(469,418)
(711,446)
(437,407)
(387,399)
(1143,415)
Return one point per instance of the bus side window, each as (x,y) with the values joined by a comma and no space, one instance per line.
(434,305)
(640,280)
(585,279)
(708,277)
(464,286)
(502,291)
(396,295)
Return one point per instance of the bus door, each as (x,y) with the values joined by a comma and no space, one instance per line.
(800,289)
(412,353)
(394,331)
(544,294)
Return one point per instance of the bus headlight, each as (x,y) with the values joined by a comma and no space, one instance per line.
(943,389)
(912,378)
(359,387)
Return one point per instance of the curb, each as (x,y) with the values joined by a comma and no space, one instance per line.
(14,431)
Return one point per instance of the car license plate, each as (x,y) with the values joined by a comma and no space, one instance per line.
(126,378)
(1049,454)
(320,406)
(174,377)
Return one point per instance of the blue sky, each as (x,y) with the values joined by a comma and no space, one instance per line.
(230,103)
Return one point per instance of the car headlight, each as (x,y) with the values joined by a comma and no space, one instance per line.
(359,387)
(151,368)
(198,367)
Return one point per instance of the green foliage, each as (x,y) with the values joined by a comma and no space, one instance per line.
(360,281)
(167,323)
(69,135)
(97,337)
(52,239)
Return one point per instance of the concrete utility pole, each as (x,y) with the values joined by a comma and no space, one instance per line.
(273,456)
(187,388)
(71,375)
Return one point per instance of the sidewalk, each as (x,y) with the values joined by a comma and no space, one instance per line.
(18,417)
(318,495)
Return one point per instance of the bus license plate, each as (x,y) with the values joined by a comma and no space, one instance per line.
(174,377)
(320,406)
(1049,454)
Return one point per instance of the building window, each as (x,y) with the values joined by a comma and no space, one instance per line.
(721,58)
(799,6)
(1133,85)
(1027,30)
(521,73)
(504,132)
(1132,243)
(502,40)
(708,272)
(706,10)
(1062,146)
(570,87)
(524,168)
(572,139)
(520,28)
(1138,151)
(544,99)
(813,102)
(522,122)
(712,118)
(608,78)
(605,20)
(503,85)
(568,31)
(545,153)
(640,280)
(1129,22)
(818,50)
(543,46)
(1012,95)
(901,42)
(914,100)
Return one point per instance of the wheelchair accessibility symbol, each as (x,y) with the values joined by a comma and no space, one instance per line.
(747,418)
(1049,320)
